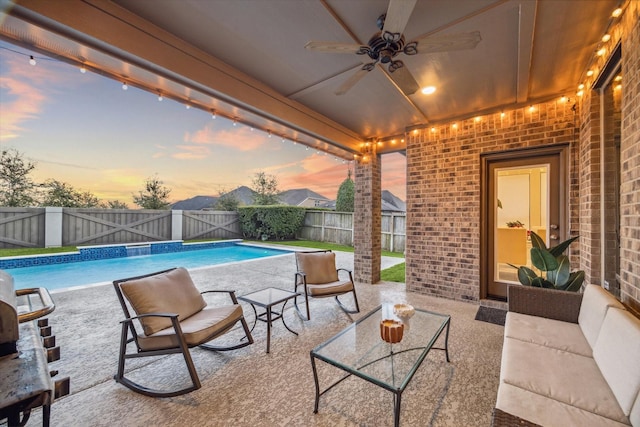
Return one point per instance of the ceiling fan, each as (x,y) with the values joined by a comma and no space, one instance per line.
(385,45)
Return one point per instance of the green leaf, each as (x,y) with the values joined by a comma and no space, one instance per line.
(558,250)
(536,241)
(542,259)
(560,275)
(526,275)
(574,283)
(539,282)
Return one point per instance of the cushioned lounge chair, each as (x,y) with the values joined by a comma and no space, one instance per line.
(318,276)
(173,317)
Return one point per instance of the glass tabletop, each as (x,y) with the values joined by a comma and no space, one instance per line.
(360,350)
(268,297)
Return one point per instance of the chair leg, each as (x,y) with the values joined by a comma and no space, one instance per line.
(306,301)
(345,309)
(120,378)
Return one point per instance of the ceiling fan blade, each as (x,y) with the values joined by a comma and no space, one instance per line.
(351,81)
(398,14)
(333,47)
(405,81)
(448,42)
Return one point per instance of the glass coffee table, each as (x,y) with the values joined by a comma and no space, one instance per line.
(358,350)
(267,298)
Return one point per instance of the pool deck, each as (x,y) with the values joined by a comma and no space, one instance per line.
(248,387)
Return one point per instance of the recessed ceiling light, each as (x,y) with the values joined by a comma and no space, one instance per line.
(428,90)
(617,12)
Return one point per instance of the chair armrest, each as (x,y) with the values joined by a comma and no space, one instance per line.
(232,294)
(542,302)
(169,315)
(344,269)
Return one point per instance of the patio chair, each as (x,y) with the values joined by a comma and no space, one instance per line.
(174,317)
(319,278)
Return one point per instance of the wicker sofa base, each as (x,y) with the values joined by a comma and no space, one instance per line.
(503,419)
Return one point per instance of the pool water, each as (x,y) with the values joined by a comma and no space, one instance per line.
(68,275)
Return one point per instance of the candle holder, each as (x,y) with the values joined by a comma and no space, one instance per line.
(391,331)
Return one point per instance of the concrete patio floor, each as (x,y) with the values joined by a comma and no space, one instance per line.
(248,387)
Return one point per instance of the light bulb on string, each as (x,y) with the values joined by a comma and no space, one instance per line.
(213,114)
(32,60)
(160,97)
(125,86)
(83,69)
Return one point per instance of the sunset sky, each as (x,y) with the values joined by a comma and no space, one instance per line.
(85,130)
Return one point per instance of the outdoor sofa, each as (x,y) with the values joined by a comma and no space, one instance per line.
(569,359)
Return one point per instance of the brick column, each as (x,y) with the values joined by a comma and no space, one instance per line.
(367,219)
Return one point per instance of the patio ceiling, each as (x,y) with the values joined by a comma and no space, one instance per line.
(247,60)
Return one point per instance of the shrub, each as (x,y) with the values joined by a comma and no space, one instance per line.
(277,222)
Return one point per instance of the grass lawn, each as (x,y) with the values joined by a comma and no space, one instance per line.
(324,245)
(393,274)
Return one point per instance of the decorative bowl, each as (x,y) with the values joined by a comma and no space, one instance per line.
(404,311)
(391,331)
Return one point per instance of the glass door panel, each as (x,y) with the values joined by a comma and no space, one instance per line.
(521,206)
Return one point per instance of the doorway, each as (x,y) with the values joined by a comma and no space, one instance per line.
(523,191)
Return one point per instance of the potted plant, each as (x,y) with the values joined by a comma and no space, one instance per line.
(554,264)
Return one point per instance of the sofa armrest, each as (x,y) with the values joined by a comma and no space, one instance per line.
(548,303)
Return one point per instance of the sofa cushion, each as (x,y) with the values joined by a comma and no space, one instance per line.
(547,412)
(617,353)
(595,303)
(170,292)
(547,332)
(559,375)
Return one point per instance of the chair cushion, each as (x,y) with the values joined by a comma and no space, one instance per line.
(319,267)
(617,353)
(547,332)
(595,303)
(329,289)
(197,329)
(171,292)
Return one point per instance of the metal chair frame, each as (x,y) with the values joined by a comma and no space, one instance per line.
(129,327)
(301,280)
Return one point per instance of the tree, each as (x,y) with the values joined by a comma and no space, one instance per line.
(154,196)
(227,201)
(266,189)
(58,193)
(346,192)
(114,204)
(16,187)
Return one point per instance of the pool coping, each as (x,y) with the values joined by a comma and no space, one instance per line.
(101,252)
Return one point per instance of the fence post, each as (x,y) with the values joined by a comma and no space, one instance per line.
(176,225)
(322,229)
(52,227)
(392,230)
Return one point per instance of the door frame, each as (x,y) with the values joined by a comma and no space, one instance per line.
(486,159)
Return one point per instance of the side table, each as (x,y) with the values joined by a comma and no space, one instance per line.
(267,298)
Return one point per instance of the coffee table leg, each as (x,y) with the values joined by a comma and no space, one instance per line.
(446,341)
(396,409)
(317,384)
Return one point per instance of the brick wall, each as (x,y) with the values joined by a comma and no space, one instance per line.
(367,226)
(443,180)
(630,156)
(443,190)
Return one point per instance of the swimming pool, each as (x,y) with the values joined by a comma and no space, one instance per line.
(72,274)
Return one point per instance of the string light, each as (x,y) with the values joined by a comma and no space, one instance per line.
(606,38)
(235,122)
(83,69)
(616,13)
(213,114)
(160,97)
(32,60)
(125,86)
(268,134)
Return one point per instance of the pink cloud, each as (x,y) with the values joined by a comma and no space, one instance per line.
(190,152)
(26,105)
(241,139)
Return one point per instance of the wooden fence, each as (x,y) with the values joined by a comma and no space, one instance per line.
(337,227)
(50,227)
